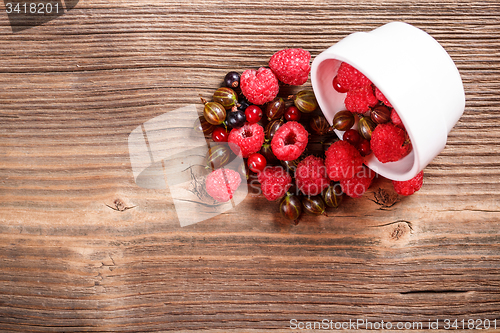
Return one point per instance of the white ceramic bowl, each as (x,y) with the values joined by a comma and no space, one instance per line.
(415,74)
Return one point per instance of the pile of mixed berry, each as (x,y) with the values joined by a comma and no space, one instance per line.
(288,146)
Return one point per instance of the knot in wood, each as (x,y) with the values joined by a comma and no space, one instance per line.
(385,198)
(400,229)
(119,204)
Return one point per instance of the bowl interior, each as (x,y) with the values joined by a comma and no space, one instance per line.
(332,102)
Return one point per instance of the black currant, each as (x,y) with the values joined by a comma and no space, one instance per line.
(236,119)
(243,104)
(232,80)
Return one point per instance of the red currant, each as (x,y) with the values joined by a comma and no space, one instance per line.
(292,113)
(253,113)
(337,86)
(352,136)
(256,162)
(220,134)
(364,147)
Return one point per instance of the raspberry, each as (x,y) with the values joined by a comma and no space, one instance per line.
(409,187)
(349,78)
(247,139)
(389,143)
(260,86)
(289,141)
(382,98)
(360,100)
(222,183)
(342,161)
(274,181)
(355,187)
(395,119)
(310,175)
(291,66)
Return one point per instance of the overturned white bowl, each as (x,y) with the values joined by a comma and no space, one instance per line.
(417,77)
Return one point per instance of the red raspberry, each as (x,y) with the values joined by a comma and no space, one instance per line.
(382,98)
(247,139)
(260,86)
(395,119)
(342,161)
(310,175)
(291,66)
(389,143)
(409,187)
(274,181)
(360,100)
(290,141)
(355,187)
(222,183)
(349,78)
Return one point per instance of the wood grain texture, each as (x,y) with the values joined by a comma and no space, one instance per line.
(73,89)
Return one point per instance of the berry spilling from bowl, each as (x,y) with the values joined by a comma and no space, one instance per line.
(291,153)
(378,122)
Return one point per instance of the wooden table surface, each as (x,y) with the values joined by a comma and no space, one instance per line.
(83,248)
